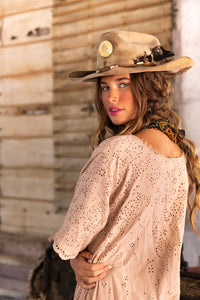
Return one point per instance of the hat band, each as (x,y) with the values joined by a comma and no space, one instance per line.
(124,66)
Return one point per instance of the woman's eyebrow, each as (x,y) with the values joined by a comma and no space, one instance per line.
(123,78)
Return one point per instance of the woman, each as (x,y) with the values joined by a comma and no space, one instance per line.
(130,200)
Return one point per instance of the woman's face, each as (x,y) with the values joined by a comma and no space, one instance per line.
(118,99)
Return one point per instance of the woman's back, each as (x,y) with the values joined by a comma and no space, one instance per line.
(143,232)
(158,141)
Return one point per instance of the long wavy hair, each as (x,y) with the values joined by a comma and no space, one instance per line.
(153,95)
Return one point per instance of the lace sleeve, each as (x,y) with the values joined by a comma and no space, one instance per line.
(88,212)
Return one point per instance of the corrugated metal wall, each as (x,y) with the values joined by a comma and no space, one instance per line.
(47,121)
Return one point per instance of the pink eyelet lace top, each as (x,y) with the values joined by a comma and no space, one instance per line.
(129,210)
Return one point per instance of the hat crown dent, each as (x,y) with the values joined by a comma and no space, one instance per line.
(128,47)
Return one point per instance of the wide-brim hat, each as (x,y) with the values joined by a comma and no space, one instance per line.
(122,52)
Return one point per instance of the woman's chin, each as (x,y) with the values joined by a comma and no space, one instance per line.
(117,122)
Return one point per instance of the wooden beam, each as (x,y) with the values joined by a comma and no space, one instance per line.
(100,6)
(28,27)
(74,111)
(28,126)
(75,125)
(13,288)
(70,163)
(107,10)
(27,89)
(63,97)
(27,153)
(125,16)
(73,151)
(25,59)
(28,183)
(10,7)
(69,178)
(74,138)
(15,272)
(30,216)
(20,249)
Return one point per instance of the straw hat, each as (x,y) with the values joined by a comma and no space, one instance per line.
(122,52)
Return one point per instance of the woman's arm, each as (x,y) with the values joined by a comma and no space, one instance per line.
(87,274)
(88,212)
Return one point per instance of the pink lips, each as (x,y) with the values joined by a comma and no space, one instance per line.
(114,110)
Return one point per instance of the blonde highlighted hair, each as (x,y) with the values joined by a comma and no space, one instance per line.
(152,93)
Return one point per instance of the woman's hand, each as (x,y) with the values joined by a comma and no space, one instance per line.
(87,274)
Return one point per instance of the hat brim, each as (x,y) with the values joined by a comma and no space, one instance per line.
(173,67)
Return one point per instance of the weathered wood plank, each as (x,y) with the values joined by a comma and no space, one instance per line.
(14,259)
(26,126)
(74,96)
(84,9)
(147,13)
(27,89)
(63,187)
(63,199)
(75,138)
(31,216)
(154,26)
(12,7)
(32,230)
(165,39)
(70,7)
(28,183)
(70,164)
(15,272)
(32,153)
(69,178)
(13,288)
(63,30)
(26,59)
(62,70)
(63,83)
(82,53)
(118,18)
(74,110)
(75,151)
(29,27)
(72,42)
(72,2)
(21,249)
(75,125)
(17,286)
(26,110)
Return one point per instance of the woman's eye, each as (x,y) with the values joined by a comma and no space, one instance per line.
(123,84)
(105,88)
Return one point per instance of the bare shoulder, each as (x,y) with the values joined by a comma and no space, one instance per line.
(158,141)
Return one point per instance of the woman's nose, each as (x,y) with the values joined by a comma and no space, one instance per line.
(113,95)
